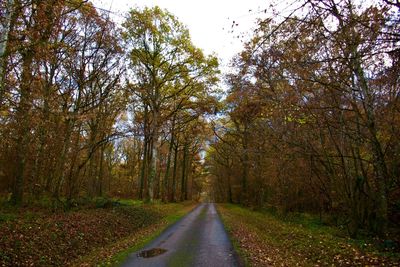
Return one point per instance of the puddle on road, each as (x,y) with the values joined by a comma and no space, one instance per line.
(151,252)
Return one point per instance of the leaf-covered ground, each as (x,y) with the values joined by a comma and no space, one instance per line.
(265,240)
(83,237)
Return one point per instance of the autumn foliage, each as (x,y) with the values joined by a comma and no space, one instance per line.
(89,108)
(312,116)
(310,121)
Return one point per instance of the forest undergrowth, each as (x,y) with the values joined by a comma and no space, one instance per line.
(266,239)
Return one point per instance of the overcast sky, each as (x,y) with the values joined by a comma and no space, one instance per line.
(209,21)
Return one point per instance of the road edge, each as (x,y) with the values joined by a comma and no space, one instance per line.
(119,258)
(238,253)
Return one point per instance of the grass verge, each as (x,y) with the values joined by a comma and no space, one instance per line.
(86,236)
(263,239)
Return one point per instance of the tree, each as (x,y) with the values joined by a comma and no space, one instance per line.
(63,80)
(167,70)
(311,92)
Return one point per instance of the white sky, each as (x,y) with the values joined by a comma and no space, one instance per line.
(209,21)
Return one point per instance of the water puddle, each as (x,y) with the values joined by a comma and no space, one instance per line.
(151,252)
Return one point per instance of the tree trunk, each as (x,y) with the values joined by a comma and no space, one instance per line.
(170,150)
(188,175)
(245,165)
(183,178)
(380,168)
(100,175)
(143,170)
(174,172)
(229,171)
(71,179)
(4,36)
(22,117)
(143,175)
(154,156)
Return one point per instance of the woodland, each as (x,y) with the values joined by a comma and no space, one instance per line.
(309,120)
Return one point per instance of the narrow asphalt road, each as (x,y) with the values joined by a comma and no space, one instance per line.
(198,239)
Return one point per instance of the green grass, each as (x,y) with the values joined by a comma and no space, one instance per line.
(297,239)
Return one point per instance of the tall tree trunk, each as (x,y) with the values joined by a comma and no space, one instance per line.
(174,172)
(101,173)
(22,117)
(61,159)
(183,177)
(380,168)
(38,172)
(34,45)
(229,178)
(230,200)
(245,166)
(134,158)
(4,36)
(146,144)
(92,173)
(188,176)
(154,156)
(71,179)
(143,169)
(170,150)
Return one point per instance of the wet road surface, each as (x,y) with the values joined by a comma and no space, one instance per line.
(198,239)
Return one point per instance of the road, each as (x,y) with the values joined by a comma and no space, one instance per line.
(198,239)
